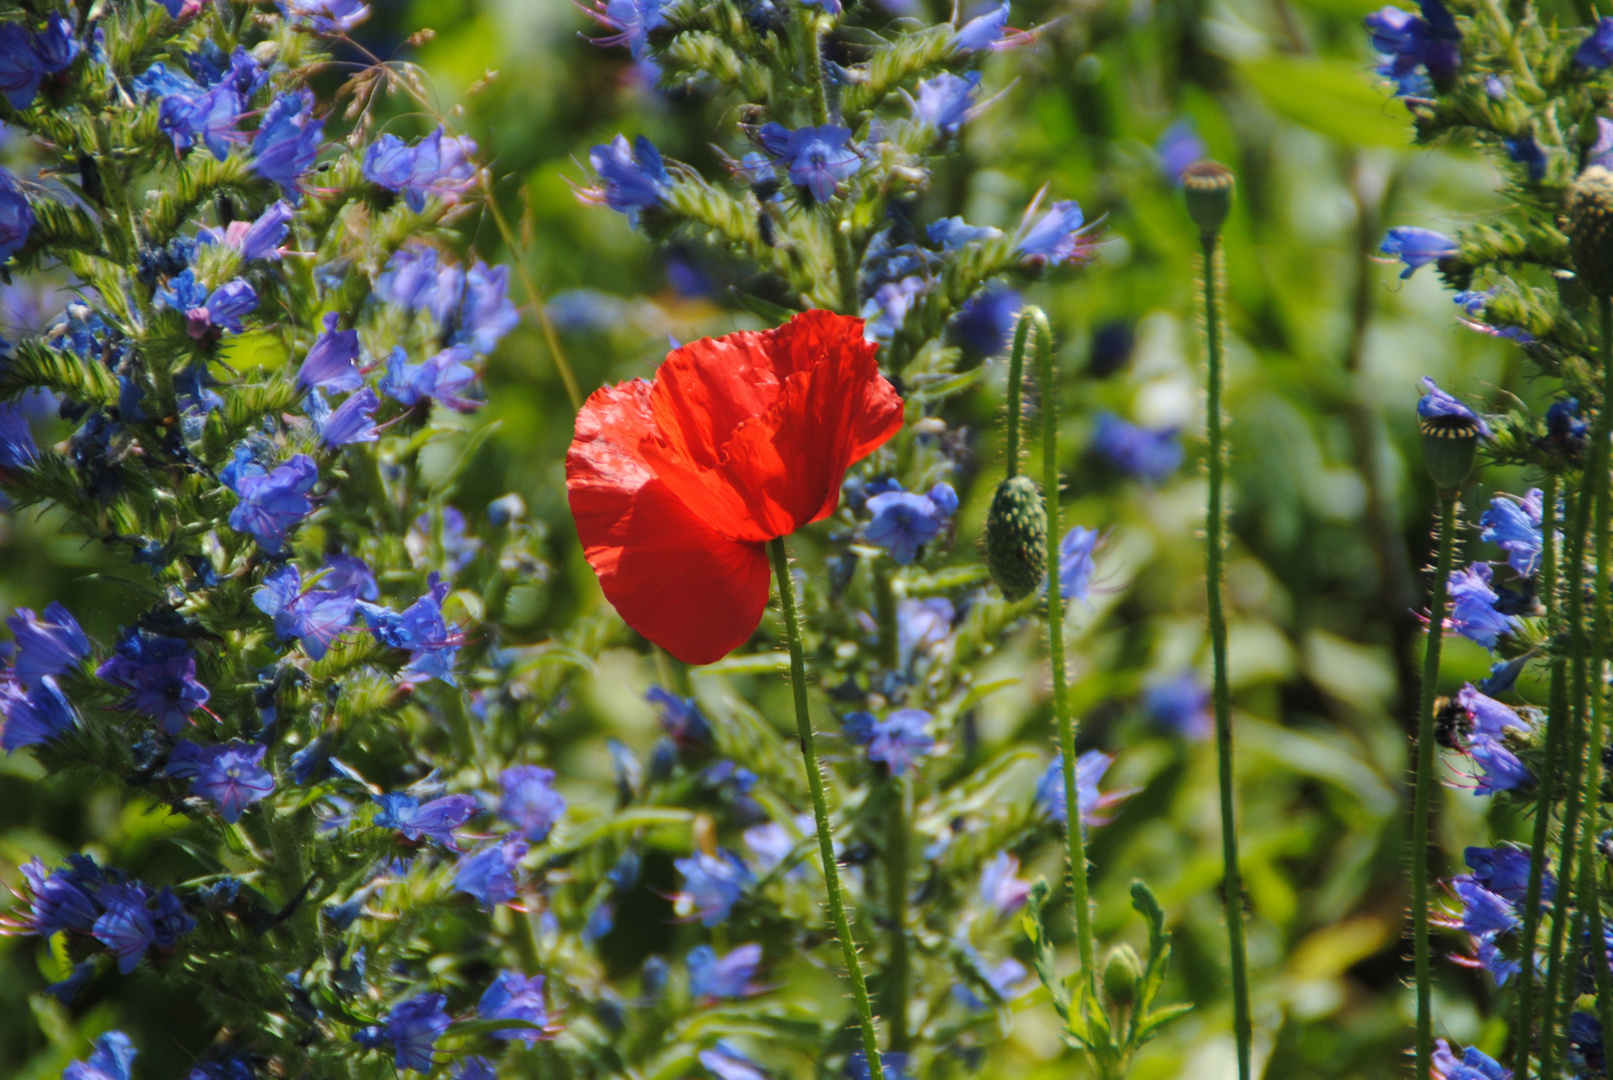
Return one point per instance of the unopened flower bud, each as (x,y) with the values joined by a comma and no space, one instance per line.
(1016,537)
(1122,971)
(1207,186)
(1590,229)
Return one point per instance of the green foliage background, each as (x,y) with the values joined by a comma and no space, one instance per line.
(1330,508)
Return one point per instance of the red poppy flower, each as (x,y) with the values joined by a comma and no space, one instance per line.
(676,485)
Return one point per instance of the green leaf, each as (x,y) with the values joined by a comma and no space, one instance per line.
(1332,97)
(775,314)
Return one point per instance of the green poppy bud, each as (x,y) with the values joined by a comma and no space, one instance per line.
(1122,971)
(1016,537)
(1207,186)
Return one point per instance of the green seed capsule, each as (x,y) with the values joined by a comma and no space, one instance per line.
(1207,187)
(1121,973)
(1016,537)
(1450,444)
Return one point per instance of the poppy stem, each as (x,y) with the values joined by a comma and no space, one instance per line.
(1215,548)
(820,807)
(1425,783)
(896,886)
(1547,790)
(1016,381)
(1046,375)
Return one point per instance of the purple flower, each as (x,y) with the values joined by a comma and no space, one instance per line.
(1489,716)
(952,233)
(513,996)
(168,692)
(435,820)
(1502,769)
(352,422)
(1151,454)
(1001,887)
(1417,247)
(713,884)
(1493,960)
(325,16)
(1596,51)
(287,141)
(1179,147)
(1526,151)
(315,617)
(816,158)
(630,23)
(632,177)
(922,625)
(272,504)
(1416,50)
(209,117)
(726,1062)
(1483,912)
(1089,769)
(16,216)
(261,239)
(231,776)
(458,546)
(985,323)
(421,629)
(48,644)
(169,920)
(944,102)
(485,313)
(331,363)
(887,309)
(409,278)
(728,976)
(902,523)
(1058,236)
(493,875)
(112,1059)
(61,899)
(1076,563)
(440,165)
(125,926)
(1180,705)
(1515,528)
(440,378)
(983,31)
(1436,402)
(342,571)
(1473,612)
(17,448)
(20,69)
(901,739)
(229,303)
(1504,674)
(413,1028)
(530,802)
(1505,872)
(66,991)
(38,716)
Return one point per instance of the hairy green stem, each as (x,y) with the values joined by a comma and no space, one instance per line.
(1055,637)
(534,297)
(820,807)
(897,862)
(818,102)
(1547,790)
(1425,782)
(1016,385)
(1215,545)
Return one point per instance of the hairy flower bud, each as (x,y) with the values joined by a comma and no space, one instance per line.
(1122,971)
(1207,186)
(1590,229)
(1016,537)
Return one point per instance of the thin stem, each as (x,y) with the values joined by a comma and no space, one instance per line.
(1016,384)
(897,862)
(1425,782)
(1215,542)
(818,101)
(820,807)
(1547,790)
(1055,636)
(885,613)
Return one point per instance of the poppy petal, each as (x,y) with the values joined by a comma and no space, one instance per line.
(672,577)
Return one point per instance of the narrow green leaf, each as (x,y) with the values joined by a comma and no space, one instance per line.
(1331,97)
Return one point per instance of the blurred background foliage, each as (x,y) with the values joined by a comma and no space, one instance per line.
(1330,508)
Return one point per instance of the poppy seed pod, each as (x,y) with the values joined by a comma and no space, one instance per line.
(1207,186)
(1016,537)
(1590,229)
(1450,444)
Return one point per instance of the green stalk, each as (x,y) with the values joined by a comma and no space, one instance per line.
(885,614)
(1016,381)
(897,862)
(1222,696)
(1547,790)
(1425,782)
(818,101)
(534,297)
(1055,631)
(820,807)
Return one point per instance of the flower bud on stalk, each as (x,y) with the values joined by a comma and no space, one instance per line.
(1207,187)
(1016,537)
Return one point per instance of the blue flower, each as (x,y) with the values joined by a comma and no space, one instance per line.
(325,16)
(1515,528)
(633,178)
(125,926)
(331,363)
(20,69)
(61,899)
(475,1067)
(631,23)
(1493,960)
(493,875)
(983,31)
(1416,50)
(1089,769)
(1502,769)
(458,546)
(421,629)
(1058,236)
(901,739)
(1001,888)
(1483,912)
(816,158)
(169,920)
(66,991)
(409,278)
(46,645)
(435,820)
(1151,454)
(887,308)
(112,1059)
(713,884)
(921,625)
(1488,716)
(342,571)
(1473,613)
(352,422)
(1596,51)
(1473,302)
(440,378)
(17,448)
(413,1028)
(682,719)
(530,802)
(287,141)
(272,504)
(485,312)
(902,523)
(221,309)
(38,716)
(1565,428)
(1436,402)
(1180,705)
(1504,674)
(261,238)
(1076,562)
(1505,872)
(160,675)
(726,977)
(726,1062)
(513,996)
(1586,1051)
(1417,247)
(1179,147)
(231,776)
(209,117)
(315,617)
(858,727)
(944,102)
(985,323)
(439,164)
(1526,151)
(16,216)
